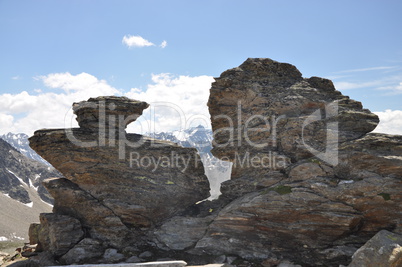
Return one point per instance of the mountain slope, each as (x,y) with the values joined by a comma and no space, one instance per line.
(15,216)
(22,196)
(18,172)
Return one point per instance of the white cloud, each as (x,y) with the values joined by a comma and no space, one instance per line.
(16,77)
(24,112)
(368,69)
(6,121)
(176,103)
(356,85)
(77,83)
(136,41)
(395,89)
(390,122)
(163,44)
(390,85)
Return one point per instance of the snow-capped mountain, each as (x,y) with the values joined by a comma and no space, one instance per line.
(216,170)
(197,137)
(20,142)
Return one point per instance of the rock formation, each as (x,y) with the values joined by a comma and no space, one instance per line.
(117,185)
(310,183)
(337,185)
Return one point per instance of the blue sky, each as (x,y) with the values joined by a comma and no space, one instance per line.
(55,52)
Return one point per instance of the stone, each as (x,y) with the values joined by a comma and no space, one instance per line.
(230,259)
(146,255)
(45,258)
(180,233)
(101,221)
(87,251)
(108,112)
(3,256)
(339,253)
(271,262)
(134,259)
(58,233)
(111,255)
(220,259)
(288,264)
(162,264)
(33,233)
(384,249)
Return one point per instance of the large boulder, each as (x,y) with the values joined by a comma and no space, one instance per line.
(143,180)
(309,182)
(265,106)
(118,185)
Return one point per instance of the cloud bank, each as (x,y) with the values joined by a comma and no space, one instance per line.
(25,112)
(388,81)
(175,102)
(390,122)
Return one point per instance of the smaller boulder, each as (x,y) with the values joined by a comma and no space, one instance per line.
(384,249)
(87,251)
(113,256)
(58,233)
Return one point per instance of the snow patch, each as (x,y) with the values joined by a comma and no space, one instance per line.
(3,238)
(30,204)
(32,186)
(47,203)
(180,135)
(21,181)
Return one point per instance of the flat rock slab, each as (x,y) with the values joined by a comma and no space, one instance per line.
(145,264)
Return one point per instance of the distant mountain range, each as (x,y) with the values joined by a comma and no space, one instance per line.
(20,142)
